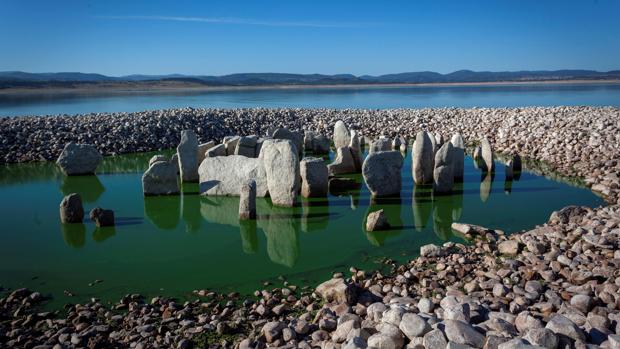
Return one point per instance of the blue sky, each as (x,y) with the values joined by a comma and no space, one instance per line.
(359,37)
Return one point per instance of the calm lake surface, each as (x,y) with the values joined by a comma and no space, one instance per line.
(595,94)
(173,245)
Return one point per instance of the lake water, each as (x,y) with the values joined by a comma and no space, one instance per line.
(595,94)
(173,245)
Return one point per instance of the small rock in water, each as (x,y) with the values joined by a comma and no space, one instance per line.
(71,209)
(103,218)
(377,221)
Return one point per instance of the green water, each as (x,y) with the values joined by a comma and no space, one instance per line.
(173,245)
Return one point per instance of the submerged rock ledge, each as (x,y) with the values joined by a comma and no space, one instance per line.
(555,286)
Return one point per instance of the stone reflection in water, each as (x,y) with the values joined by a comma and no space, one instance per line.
(101,234)
(74,234)
(249,240)
(89,187)
(391,210)
(507,186)
(315,214)
(163,211)
(486,183)
(457,201)
(443,211)
(281,233)
(422,204)
(190,211)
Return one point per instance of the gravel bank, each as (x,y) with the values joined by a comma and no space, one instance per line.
(556,286)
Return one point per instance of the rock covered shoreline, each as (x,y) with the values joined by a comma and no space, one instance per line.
(556,286)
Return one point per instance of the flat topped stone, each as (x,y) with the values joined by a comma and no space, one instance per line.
(79,159)
(160,179)
(224,175)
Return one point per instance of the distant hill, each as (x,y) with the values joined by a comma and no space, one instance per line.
(13,79)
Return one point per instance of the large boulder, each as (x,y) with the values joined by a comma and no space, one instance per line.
(423,158)
(295,137)
(341,135)
(443,175)
(79,159)
(224,175)
(71,209)
(247,200)
(381,172)
(458,146)
(314,177)
(487,156)
(337,290)
(320,145)
(343,163)
(160,179)
(279,157)
(188,156)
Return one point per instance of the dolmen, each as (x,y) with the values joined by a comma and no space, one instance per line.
(381,171)
(79,159)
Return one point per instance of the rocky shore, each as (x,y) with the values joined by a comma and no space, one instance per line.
(555,286)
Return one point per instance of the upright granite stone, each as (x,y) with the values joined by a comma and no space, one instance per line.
(279,157)
(438,141)
(188,156)
(231,144)
(79,159)
(396,144)
(443,174)
(102,217)
(343,163)
(320,145)
(295,138)
(487,155)
(157,158)
(341,135)
(314,177)
(356,151)
(381,144)
(423,159)
(246,146)
(458,147)
(218,150)
(160,179)
(224,175)
(381,172)
(202,150)
(247,200)
(308,140)
(71,209)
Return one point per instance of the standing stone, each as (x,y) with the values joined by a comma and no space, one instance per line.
(295,138)
(356,151)
(218,150)
(381,172)
(174,160)
(103,218)
(188,156)
(438,140)
(246,146)
(160,179)
(443,175)
(377,221)
(279,157)
(247,200)
(433,142)
(381,144)
(79,159)
(343,163)
(487,156)
(320,145)
(231,143)
(396,144)
(157,158)
(71,210)
(459,157)
(314,177)
(202,150)
(423,159)
(308,141)
(341,135)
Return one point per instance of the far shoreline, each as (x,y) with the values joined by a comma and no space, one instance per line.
(176,88)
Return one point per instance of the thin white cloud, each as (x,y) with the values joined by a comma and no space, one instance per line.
(241,21)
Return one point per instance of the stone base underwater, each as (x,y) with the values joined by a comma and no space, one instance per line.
(555,286)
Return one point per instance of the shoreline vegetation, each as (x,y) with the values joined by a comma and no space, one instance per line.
(92,88)
(554,286)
